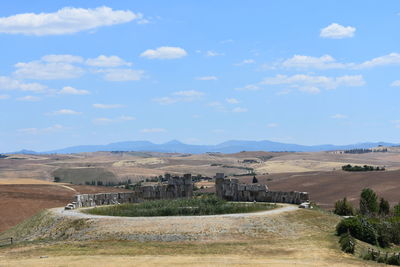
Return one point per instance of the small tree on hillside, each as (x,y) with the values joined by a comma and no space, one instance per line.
(343,208)
(384,207)
(368,202)
(396,210)
(255,180)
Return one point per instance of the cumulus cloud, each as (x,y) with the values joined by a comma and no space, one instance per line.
(68,90)
(7,83)
(328,62)
(390,59)
(122,75)
(41,70)
(305,62)
(66,112)
(311,84)
(107,61)
(164,52)
(180,96)
(107,106)
(207,78)
(337,31)
(249,87)
(67,20)
(153,130)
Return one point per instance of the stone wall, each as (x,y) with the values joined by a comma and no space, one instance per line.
(232,190)
(175,187)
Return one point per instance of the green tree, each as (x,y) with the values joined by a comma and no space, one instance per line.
(368,202)
(396,210)
(343,208)
(384,207)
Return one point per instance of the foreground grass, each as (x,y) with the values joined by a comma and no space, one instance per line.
(180,207)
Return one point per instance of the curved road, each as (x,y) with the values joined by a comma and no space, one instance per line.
(78,214)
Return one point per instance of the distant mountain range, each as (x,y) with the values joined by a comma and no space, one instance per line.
(233,146)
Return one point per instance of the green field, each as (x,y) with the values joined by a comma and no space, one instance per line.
(180,207)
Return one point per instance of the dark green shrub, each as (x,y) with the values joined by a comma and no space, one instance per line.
(384,207)
(359,228)
(393,260)
(343,208)
(396,210)
(347,243)
(368,202)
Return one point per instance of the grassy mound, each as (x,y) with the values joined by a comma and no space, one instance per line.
(180,207)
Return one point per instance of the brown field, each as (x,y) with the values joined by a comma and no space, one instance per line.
(327,187)
(23,200)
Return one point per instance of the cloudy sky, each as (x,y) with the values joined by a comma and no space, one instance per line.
(202,72)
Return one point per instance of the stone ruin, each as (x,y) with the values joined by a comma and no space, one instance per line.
(230,189)
(182,187)
(174,187)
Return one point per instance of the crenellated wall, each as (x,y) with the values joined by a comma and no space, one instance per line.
(175,187)
(231,189)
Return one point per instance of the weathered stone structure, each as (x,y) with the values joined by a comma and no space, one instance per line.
(232,190)
(175,187)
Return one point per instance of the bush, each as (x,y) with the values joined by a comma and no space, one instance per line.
(368,202)
(396,210)
(393,260)
(358,228)
(343,208)
(347,243)
(384,207)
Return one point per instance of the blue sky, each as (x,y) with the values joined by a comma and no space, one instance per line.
(202,72)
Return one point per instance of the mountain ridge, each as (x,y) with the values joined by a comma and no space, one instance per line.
(231,146)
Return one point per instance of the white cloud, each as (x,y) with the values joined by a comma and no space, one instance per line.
(122,75)
(305,62)
(390,59)
(284,92)
(29,98)
(2,97)
(164,52)
(211,53)
(232,101)
(68,90)
(337,31)
(180,96)
(7,83)
(67,20)
(41,70)
(310,89)
(207,78)
(62,58)
(189,93)
(272,125)
(239,110)
(249,87)
(104,121)
(107,61)
(217,105)
(153,130)
(339,116)
(35,131)
(107,106)
(66,112)
(310,83)
(245,62)
(395,83)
